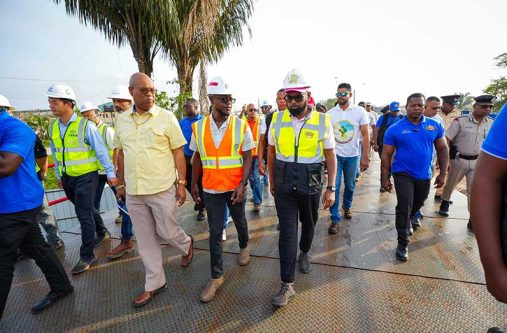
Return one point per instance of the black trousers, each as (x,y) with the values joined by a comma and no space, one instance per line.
(21,231)
(81,192)
(99,223)
(411,194)
(292,207)
(215,208)
(201,205)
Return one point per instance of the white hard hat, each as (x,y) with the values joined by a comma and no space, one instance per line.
(120,92)
(88,106)
(217,86)
(294,81)
(265,103)
(61,90)
(5,103)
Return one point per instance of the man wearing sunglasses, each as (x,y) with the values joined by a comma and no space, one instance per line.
(299,140)
(466,134)
(350,123)
(222,146)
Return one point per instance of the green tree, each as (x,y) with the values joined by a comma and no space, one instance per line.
(498,87)
(198,31)
(465,101)
(39,124)
(128,21)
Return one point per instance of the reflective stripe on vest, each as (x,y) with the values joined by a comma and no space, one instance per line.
(309,148)
(255,134)
(222,166)
(103,134)
(74,156)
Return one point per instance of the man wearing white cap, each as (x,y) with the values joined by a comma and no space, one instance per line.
(79,152)
(299,140)
(222,148)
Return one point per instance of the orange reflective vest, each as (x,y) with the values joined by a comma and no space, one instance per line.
(254,127)
(222,167)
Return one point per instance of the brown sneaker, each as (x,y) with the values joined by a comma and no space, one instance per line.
(243,257)
(147,296)
(186,260)
(209,292)
(347,214)
(333,228)
(124,247)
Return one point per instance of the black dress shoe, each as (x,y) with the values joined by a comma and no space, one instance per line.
(402,253)
(50,299)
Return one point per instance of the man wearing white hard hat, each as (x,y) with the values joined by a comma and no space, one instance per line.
(222,146)
(79,151)
(122,101)
(299,141)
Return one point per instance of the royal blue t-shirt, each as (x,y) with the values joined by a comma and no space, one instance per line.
(186,128)
(414,146)
(22,190)
(496,141)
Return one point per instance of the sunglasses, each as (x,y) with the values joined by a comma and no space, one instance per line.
(436,108)
(297,98)
(342,94)
(251,110)
(225,99)
(145,91)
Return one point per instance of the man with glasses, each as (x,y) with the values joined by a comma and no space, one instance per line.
(222,146)
(255,124)
(465,137)
(152,177)
(191,108)
(299,141)
(350,123)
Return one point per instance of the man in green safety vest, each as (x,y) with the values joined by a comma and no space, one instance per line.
(79,151)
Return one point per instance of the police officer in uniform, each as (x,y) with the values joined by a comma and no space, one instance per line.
(299,140)
(465,136)
(448,113)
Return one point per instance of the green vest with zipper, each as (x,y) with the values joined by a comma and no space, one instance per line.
(75,157)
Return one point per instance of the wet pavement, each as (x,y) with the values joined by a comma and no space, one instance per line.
(356,283)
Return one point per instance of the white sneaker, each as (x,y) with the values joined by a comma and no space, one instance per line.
(224,235)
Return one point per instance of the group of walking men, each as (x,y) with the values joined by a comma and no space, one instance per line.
(151,160)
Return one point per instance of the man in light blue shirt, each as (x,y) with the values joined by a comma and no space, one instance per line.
(79,177)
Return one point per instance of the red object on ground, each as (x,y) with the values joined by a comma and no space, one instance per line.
(57,201)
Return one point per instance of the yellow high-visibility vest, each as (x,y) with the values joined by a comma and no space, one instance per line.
(75,157)
(103,133)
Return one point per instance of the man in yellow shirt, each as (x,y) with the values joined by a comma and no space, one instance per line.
(152,166)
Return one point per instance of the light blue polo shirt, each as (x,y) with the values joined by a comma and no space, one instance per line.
(22,190)
(496,142)
(414,146)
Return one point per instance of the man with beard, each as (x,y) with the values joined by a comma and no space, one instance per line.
(349,123)
(122,102)
(465,137)
(222,146)
(299,141)
(151,175)
(413,137)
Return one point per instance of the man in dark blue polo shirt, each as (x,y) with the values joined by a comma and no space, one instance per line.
(413,138)
(191,107)
(22,194)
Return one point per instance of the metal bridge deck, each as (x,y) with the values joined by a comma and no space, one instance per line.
(356,285)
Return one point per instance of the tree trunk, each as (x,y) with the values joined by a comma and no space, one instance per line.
(185,78)
(203,87)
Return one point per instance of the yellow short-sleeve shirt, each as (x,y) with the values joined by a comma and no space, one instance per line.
(147,142)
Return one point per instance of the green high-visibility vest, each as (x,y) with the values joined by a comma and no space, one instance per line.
(75,157)
(103,132)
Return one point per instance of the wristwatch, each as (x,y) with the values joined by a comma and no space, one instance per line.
(182,182)
(245,183)
(331,188)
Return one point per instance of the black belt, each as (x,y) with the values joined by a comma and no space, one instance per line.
(466,157)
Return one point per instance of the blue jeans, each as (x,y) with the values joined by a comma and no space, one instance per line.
(126,223)
(347,166)
(255,182)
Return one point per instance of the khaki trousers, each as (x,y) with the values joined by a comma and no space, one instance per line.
(153,218)
(459,168)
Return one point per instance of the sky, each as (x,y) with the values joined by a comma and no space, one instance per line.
(385,49)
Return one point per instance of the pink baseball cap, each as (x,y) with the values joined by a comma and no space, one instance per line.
(298,89)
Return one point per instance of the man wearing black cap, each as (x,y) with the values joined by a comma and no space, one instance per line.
(448,113)
(465,137)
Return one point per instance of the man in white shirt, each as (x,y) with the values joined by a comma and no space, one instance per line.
(349,122)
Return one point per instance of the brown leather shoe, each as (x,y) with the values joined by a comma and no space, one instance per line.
(186,260)
(211,288)
(147,296)
(347,214)
(243,257)
(124,247)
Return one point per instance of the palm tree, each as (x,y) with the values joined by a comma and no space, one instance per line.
(128,21)
(465,101)
(203,86)
(198,31)
(39,124)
